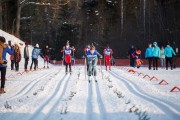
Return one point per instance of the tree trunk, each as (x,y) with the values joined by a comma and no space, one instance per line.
(1,22)
(18,18)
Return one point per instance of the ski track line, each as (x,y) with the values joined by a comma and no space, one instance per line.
(29,86)
(94,100)
(52,101)
(59,98)
(89,106)
(163,105)
(100,103)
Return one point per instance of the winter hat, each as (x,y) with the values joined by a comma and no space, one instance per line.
(154,43)
(93,47)
(26,43)
(2,39)
(67,43)
(37,45)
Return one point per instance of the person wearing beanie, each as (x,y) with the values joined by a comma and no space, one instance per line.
(107,54)
(92,58)
(35,54)
(46,54)
(156,55)
(3,65)
(26,55)
(169,52)
(67,56)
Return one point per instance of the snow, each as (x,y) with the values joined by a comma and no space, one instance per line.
(49,94)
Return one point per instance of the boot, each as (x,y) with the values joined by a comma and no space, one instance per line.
(2,91)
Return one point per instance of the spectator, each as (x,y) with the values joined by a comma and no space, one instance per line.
(26,55)
(4,49)
(17,56)
(35,54)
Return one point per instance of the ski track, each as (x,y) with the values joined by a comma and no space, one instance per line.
(94,100)
(52,101)
(166,107)
(29,86)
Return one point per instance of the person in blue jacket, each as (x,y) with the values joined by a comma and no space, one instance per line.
(148,55)
(35,54)
(169,52)
(156,55)
(3,66)
(92,59)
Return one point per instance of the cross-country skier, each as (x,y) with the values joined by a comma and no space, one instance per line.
(107,56)
(67,51)
(86,49)
(92,59)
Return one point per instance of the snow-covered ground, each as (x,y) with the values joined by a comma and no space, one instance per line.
(119,94)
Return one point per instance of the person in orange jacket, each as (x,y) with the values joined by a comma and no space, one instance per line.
(137,55)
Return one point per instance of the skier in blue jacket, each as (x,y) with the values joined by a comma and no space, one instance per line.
(92,59)
(148,55)
(156,55)
(3,66)
(169,52)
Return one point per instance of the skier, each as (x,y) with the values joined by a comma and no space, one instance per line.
(86,49)
(17,57)
(107,55)
(156,55)
(46,53)
(67,51)
(137,55)
(4,49)
(130,55)
(35,54)
(26,55)
(169,52)
(92,59)
(148,55)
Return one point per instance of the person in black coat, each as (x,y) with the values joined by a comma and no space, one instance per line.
(131,56)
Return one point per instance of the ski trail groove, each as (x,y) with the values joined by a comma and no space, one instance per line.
(95,108)
(29,86)
(46,107)
(89,106)
(59,98)
(163,105)
(100,103)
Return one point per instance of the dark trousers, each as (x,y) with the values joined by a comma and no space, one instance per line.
(169,60)
(174,62)
(68,64)
(26,63)
(155,63)
(12,64)
(34,61)
(132,62)
(17,66)
(3,76)
(150,62)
